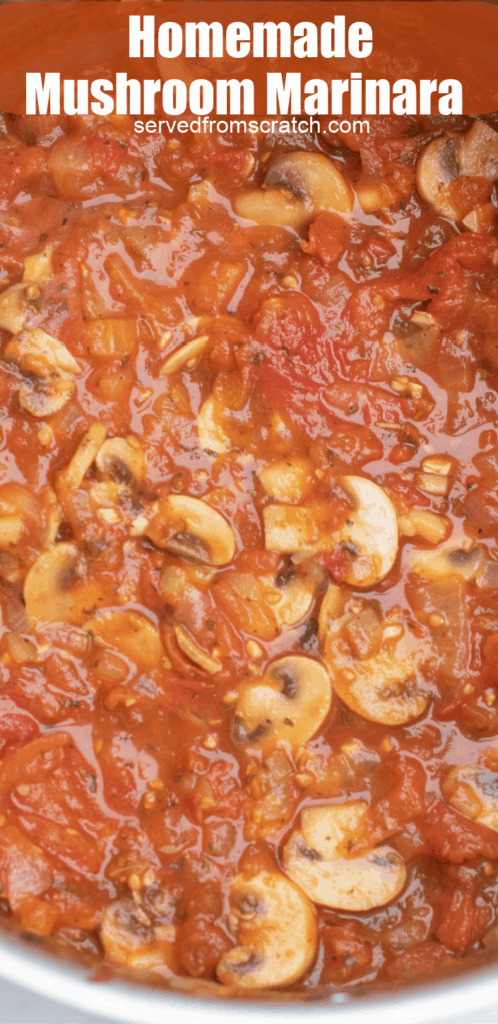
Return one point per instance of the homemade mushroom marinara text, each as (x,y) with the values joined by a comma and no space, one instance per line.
(248,548)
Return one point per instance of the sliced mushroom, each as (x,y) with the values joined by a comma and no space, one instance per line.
(15,303)
(57,588)
(478,152)
(287,704)
(130,938)
(264,605)
(419,522)
(369,537)
(386,686)
(371,533)
(473,790)
(38,352)
(289,479)
(437,167)
(122,459)
(184,357)
(47,361)
(296,186)
(448,563)
(320,859)
(130,633)
(474,155)
(212,437)
(275,926)
(192,529)
(192,650)
(71,478)
(43,397)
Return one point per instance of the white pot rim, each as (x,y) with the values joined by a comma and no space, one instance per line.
(41,973)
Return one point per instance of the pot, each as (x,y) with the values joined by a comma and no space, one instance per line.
(473,991)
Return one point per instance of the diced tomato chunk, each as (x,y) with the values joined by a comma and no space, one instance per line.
(455,838)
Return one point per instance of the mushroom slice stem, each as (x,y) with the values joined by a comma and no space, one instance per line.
(289,703)
(448,563)
(71,478)
(56,588)
(320,858)
(369,537)
(371,532)
(123,459)
(192,529)
(212,437)
(275,926)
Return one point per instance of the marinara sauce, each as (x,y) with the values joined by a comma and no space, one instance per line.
(248,556)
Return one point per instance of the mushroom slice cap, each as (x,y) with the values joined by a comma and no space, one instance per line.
(264,605)
(289,703)
(311,178)
(130,939)
(289,601)
(372,530)
(296,186)
(212,437)
(44,397)
(385,687)
(123,459)
(56,588)
(478,152)
(317,859)
(130,633)
(473,790)
(38,352)
(192,529)
(275,926)
(437,167)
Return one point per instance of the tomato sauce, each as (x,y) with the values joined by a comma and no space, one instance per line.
(248,549)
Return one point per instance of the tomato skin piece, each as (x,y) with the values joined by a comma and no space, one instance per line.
(455,838)
(405,801)
(463,921)
(201,946)
(326,238)
(423,958)
(33,761)
(291,323)
(17,725)
(443,271)
(24,869)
